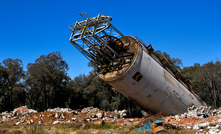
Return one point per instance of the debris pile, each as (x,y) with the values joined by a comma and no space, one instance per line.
(23,116)
(199,119)
(200,112)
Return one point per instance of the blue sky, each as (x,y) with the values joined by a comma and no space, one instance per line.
(189,30)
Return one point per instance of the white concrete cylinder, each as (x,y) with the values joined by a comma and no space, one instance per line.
(149,85)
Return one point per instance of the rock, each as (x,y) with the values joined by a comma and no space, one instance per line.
(8,116)
(17,123)
(56,115)
(74,119)
(4,113)
(131,120)
(106,119)
(74,112)
(51,115)
(99,115)
(15,117)
(23,110)
(22,120)
(28,122)
(202,125)
(219,120)
(124,114)
(93,116)
(55,122)
(183,115)
(111,116)
(31,121)
(62,116)
(156,127)
(188,127)
(213,131)
(214,127)
(201,112)
(40,122)
(177,117)
(3,118)
(89,110)
(196,127)
(94,119)
(115,118)
(60,110)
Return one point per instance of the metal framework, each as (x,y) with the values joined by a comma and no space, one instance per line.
(94,38)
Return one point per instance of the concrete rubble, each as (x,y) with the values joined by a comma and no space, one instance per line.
(25,116)
(200,119)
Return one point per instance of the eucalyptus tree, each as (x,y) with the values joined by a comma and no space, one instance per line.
(11,73)
(47,81)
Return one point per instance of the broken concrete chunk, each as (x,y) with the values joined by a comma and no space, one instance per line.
(15,117)
(62,116)
(68,121)
(196,127)
(94,119)
(111,116)
(214,127)
(56,115)
(23,110)
(3,118)
(17,123)
(40,122)
(74,119)
(60,110)
(202,125)
(188,127)
(55,122)
(131,120)
(99,115)
(213,131)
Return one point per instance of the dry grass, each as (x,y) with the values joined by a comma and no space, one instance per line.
(77,129)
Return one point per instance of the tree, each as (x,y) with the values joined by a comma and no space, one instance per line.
(3,88)
(11,73)
(19,95)
(207,81)
(47,81)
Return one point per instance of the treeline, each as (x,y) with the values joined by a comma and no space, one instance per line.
(46,84)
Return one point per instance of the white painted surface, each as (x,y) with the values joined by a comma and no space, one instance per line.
(157,91)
